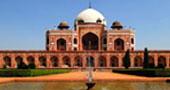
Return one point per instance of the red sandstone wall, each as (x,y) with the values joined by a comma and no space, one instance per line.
(158,56)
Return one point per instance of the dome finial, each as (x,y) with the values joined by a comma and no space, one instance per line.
(89,4)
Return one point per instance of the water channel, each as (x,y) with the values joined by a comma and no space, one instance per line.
(82,86)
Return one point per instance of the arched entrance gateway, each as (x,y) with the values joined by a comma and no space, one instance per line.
(90,41)
(90,61)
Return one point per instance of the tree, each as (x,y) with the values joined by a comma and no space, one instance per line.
(126,60)
(146,59)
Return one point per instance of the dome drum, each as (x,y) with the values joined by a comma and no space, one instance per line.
(90,16)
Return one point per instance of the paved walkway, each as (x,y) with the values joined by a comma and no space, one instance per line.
(109,76)
(82,76)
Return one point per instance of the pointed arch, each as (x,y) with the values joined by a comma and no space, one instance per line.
(151,62)
(7,61)
(78,61)
(119,44)
(18,60)
(162,62)
(90,41)
(61,44)
(30,60)
(151,59)
(66,61)
(138,61)
(102,61)
(54,61)
(90,61)
(42,60)
(114,61)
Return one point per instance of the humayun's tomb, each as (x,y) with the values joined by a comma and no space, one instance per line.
(89,41)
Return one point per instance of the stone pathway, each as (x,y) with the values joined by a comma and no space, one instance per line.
(82,76)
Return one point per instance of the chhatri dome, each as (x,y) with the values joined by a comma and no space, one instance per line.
(90,15)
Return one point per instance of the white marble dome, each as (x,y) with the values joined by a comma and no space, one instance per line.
(90,16)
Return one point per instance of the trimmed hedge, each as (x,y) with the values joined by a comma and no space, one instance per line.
(30,72)
(145,72)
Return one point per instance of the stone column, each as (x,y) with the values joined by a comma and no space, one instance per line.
(120,60)
(1,62)
(13,62)
(48,61)
(37,62)
(60,61)
(72,61)
(96,60)
(25,59)
(108,60)
(132,60)
(167,61)
(84,61)
(156,60)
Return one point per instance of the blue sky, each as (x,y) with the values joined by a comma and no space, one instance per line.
(23,22)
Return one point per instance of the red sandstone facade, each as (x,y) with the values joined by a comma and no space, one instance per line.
(89,42)
(75,59)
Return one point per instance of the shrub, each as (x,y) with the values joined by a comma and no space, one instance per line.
(4,67)
(160,65)
(22,65)
(31,66)
(151,65)
(137,72)
(146,72)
